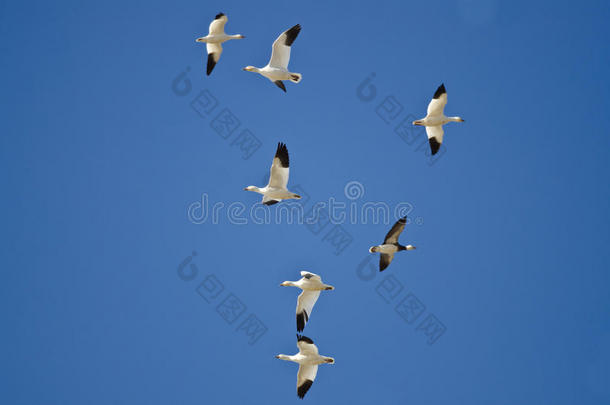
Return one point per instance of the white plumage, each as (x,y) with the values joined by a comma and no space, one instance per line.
(277,68)
(308,359)
(276,190)
(214,40)
(311,284)
(435,119)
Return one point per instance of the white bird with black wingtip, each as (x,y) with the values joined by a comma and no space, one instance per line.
(390,245)
(214,40)
(435,119)
(311,284)
(277,68)
(276,190)
(308,359)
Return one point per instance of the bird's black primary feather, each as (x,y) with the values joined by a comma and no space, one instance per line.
(211,63)
(292,34)
(434,145)
(301,338)
(440,91)
(303,388)
(282,154)
(280,84)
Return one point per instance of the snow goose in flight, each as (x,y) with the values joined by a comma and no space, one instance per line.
(214,40)
(311,284)
(435,119)
(276,189)
(308,359)
(390,244)
(277,68)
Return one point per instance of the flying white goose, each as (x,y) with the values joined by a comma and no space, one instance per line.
(308,359)
(390,245)
(276,189)
(311,284)
(215,39)
(435,119)
(277,68)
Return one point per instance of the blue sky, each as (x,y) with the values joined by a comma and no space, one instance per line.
(102,154)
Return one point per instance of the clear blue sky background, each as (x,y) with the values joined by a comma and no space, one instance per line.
(101,159)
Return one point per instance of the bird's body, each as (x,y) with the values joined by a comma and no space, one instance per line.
(390,245)
(311,284)
(275,73)
(277,68)
(308,359)
(387,248)
(276,190)
(436,118)
(214,40)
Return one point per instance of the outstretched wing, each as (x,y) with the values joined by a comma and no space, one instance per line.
(218,25)
(305,378)
(307,299)
(214,51)
(384,260)
(392,236)
(438,102)
(280,54)
(280,167)
(435,137)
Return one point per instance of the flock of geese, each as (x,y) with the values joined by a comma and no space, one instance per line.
(276,190)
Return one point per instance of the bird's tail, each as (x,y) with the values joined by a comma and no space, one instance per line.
(295,77)
(374,249)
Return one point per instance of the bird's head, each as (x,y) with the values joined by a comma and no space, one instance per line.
(329,360)
(418,122)
(250,188)
(201,39)
(249,69)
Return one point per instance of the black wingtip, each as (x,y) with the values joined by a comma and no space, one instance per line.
(292,34)
(280,84)
(403,220)
(300,322)
(271,202)
(219,15)
(440,91)
(303,388)
(211,63)
(282,154)
(434,145)
(301,338)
